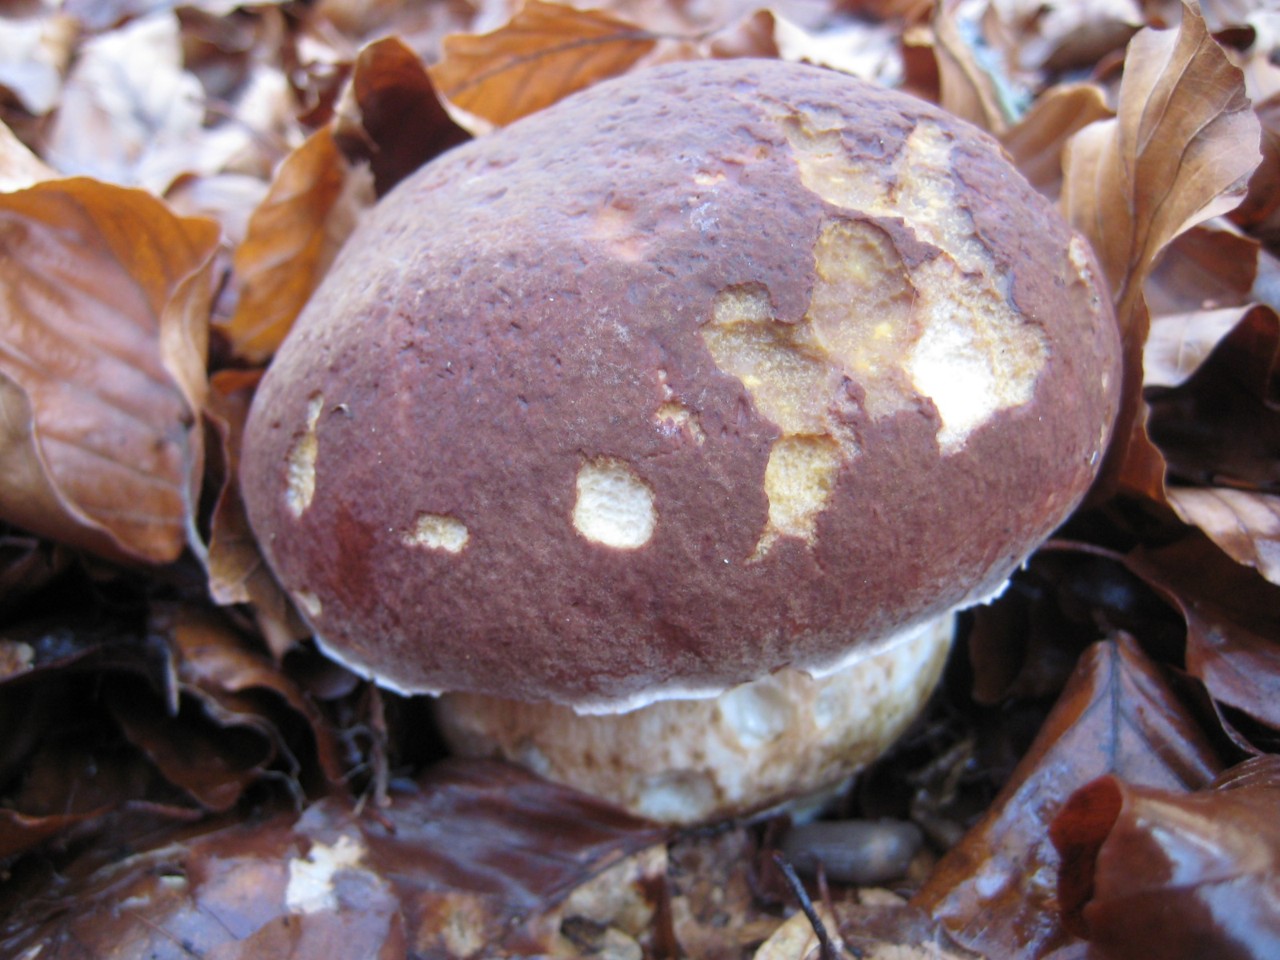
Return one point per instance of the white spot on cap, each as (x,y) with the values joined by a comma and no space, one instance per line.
(614,506)
(436,531)
(300,476)
(309,603)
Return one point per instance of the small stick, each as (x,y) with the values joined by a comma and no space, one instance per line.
(826,947)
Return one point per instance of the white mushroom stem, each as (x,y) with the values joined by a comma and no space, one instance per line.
(779,739)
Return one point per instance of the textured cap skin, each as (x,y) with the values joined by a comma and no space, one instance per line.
(709,370)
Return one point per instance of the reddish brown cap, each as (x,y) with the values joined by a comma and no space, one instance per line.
(712,369)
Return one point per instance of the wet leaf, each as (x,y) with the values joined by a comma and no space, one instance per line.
(102,366)
(475,860)
(1233,622)
(1149,872)
(1179,152)
(995,890)
(391,115)
(293,236)
(545,52)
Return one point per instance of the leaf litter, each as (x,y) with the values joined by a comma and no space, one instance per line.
(183,773)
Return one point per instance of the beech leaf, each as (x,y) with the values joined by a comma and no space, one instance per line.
(102,344)
(1179,151)
(995,889)
(391,114)
(1232,616)
(1245,525)
(293,236)
(1036,142)
(1153,873)
(546,52)
(1180,343)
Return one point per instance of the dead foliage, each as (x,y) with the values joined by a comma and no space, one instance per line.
(182,774)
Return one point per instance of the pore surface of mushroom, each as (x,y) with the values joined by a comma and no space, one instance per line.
(707,373)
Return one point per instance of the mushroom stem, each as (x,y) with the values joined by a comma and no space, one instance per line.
(780,739)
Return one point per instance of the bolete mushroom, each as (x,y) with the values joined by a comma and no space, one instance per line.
(663,430)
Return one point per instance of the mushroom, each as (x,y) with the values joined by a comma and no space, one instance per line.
(662,432)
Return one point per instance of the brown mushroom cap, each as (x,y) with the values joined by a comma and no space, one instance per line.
(710,370)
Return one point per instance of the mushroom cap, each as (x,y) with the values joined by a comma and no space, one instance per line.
(710,370)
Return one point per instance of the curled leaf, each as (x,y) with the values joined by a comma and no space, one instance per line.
(1036,142)
(546,52)
(102,345)
(391,114)
(994,891)
(293,237)
(1179,152)
(1149,872)
(1245,525)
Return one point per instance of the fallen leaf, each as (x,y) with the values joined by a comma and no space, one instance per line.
(1233,622)
(1180,343)
(1206,268)
(1221,426)
(35,51)
(474,859)
(1035,143)
(546,52)
(975,81)
(102,366)
(218,667)
(1245,525)
(1179,151)
(293,236)
(1259,212)
(237,571)
(1064,34)
(996,891)
(391,116)
(129,112)
(1154,873)
(19,167)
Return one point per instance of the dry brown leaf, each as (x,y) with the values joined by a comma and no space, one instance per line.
(1061,34)
(974,82)
(1179,152)
(1208,267)
(129,111)
(293,236)
(1245,525)
(102,356)
(546,52)
(35,51)
(237,572)
(1181,342)
(390,115)
(1037,140)
(19,167)
(1221,427)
